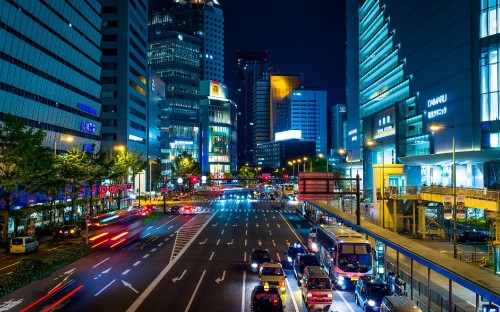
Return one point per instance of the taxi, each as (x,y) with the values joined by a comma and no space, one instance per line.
(266,298)
(272,273)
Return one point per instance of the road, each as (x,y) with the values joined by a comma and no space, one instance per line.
(181,263)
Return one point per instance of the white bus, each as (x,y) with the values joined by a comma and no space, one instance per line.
(345,254)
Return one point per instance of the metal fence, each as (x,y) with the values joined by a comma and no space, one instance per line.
(420,292)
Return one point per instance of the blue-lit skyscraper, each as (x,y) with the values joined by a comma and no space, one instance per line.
(50,68)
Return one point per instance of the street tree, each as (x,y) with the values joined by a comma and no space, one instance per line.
(22,158)
(184,165)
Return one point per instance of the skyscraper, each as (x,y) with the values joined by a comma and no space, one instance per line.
(186,45)
(50,69)
(308,114)
(124,75)
(281,86)
(251,67)
(261,113)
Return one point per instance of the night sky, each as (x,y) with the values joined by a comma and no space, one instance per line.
(300,36)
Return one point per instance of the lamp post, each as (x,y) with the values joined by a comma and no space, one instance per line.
(346,152)
(293,168)
(67,138)
(117,148)
(305,159)
(150,180)
(382,185)
(433,128)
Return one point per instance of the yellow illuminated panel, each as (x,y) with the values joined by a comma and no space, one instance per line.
(281,88)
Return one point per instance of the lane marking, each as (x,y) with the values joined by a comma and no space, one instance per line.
(195,291)
(210,259)
(9,265)
(243,289)
(125,272)
(100,291)
(145,256)
(100,262)
(218,242)
(135,305)
(290,292)
(153,250)
(159,245)
(137,263)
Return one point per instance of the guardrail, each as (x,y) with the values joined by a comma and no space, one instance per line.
(444,190)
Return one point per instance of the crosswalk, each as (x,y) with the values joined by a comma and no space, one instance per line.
(249,210)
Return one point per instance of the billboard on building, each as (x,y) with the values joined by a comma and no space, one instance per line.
(384,123)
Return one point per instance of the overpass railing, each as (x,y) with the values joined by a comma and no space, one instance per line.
(395,191)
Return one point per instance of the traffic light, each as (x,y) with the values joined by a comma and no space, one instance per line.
(193,179)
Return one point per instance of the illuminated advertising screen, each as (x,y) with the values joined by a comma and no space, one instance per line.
(384,123)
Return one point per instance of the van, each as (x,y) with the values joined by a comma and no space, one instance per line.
(316,287)
(398,304)
(23,244)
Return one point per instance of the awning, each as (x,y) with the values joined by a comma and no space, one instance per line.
(469,157)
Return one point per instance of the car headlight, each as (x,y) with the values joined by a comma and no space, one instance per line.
(371,303)
(289,259)
(314,247)
(254,265)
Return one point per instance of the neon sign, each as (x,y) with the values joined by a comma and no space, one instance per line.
(439,100)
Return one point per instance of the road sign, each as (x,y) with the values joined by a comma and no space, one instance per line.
(103,189)
(113,189)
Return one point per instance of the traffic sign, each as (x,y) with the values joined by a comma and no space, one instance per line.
(113,189)
(103,189)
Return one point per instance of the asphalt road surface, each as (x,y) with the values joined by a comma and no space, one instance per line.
(181,263)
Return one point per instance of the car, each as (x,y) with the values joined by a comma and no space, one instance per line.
(302,260)
(398,304)
(291,252)
(316,287)
(291,197)
(258,257)
(175,209)
(186,210)
(71,230)
(472,236)
(272,273)
(369,292)
(150,208)
(266,298)
(23,244)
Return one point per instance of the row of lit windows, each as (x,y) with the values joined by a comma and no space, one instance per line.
(45,101)
(48,52)
(36,71)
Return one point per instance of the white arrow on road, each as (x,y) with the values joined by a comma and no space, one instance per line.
(215,224)
(103,272)
(203,242)
(175,279)
(230,243)
(220,279)
(236,224)
(279,225)
(129,286)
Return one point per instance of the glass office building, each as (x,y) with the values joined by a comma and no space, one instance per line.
(50,69)
(427,62)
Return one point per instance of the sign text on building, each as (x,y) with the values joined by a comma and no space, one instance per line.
(437,101)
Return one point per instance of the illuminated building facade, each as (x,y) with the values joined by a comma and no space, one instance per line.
(261,113)
(50,69)
(308,114)
(186,45)
(124,75)
(281,87)
(437,64)
(251,67)
(218,129)
(277,154)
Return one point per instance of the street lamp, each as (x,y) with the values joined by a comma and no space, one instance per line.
(434,128)
(67,138)
(293,168)
(346,152)
(305,159)
(382,190)
(117,148)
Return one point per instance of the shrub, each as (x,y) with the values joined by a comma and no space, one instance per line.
(29,270)
(153,216)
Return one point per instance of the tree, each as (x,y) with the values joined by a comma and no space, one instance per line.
(22,158)
(184,165)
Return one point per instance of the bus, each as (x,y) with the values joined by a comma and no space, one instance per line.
(345,254)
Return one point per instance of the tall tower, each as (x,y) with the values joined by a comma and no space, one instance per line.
(50,71)
(281,86)
(308,114)
(124,75)
(186,45)
(251,67)
(261,113)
